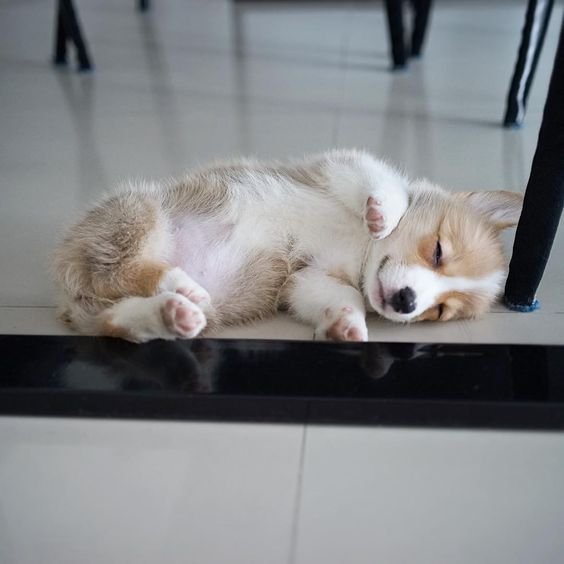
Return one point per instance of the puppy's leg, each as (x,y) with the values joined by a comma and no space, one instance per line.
(371,189)
(141,301)
(176,310)
(334,308)
(166,316)
(147,278)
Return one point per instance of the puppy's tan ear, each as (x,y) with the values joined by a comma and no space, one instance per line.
(501,207)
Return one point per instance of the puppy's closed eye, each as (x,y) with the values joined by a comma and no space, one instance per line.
(437,254)
(440,311)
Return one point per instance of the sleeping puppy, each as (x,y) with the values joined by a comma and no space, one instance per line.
(327,238)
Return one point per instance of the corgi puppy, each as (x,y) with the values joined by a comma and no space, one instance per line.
(327,238)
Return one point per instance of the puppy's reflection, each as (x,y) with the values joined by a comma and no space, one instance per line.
(110,364)
(207,366)
(378,359)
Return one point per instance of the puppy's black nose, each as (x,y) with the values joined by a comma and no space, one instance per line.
(403,301)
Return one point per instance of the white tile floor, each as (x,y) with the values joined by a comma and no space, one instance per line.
(194,80)
(145,492)
(81,492)
(430,497)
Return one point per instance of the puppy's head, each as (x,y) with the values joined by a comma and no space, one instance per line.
(445,258)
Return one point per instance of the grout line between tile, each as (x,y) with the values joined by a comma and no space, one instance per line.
(298,500)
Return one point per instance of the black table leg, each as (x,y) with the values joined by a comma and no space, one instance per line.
(143,5)
(68,28)
(544,198)
(60,57)
(396,32)
(422,9)
(532,39)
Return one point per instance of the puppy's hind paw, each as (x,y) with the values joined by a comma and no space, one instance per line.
(182,318)
(176,280)
(197,296)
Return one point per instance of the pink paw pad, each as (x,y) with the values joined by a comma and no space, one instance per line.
(344,329)
(375,220)
(182,318)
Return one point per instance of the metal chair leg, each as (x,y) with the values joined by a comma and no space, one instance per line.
(544,198)
(532,38)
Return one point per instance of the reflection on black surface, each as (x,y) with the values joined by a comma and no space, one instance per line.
(476,386)
(282,369)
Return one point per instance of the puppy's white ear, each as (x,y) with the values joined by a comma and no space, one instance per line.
(501,207)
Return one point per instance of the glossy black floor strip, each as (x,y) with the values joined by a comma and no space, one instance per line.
(428,385)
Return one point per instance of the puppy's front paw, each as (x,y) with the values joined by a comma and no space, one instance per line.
(383,213)
(375,220)
(344,325)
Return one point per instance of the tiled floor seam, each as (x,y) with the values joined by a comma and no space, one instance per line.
(294,537)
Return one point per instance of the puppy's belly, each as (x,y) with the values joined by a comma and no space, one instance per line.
(208,253)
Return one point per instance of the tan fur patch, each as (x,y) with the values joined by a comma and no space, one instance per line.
(259,285)
(473,248)
(430,314)
(464,305)
(470,247)
(205,192)
(501,208)
(456,305)
(107,329)
(341,276)
(311,175)
(100,252)
(130,279)
(425,250)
